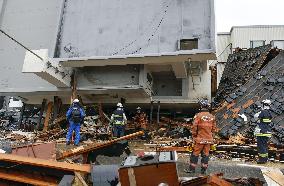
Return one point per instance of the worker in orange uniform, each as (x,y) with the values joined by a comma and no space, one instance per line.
(140,119)
(203,128)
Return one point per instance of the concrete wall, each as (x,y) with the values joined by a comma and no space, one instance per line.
(202,83)
(34,23)
(223,46)
(166,84)
(103,28)
(108,76)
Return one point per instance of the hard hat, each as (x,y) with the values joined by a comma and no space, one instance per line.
(266,102)
(204,103)
(119,105)
(138,108)
(76,101)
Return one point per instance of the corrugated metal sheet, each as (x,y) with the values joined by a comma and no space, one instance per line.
(223,48)
(241,36)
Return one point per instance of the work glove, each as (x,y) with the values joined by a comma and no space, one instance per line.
(244,117)
(256,130)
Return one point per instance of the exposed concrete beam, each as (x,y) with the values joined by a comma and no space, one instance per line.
(45,69)
(159,58)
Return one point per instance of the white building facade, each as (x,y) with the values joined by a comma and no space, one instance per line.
(246,37)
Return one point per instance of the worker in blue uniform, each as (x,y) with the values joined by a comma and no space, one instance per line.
(118,120)
(75,115)
(263,131)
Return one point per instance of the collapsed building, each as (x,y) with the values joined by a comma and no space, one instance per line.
(116,51)
(249,77)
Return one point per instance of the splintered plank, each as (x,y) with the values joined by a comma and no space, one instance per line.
(94,146)
(47,117)
(45,163)
(278,177)
(28,178)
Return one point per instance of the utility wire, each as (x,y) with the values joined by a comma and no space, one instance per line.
(155,29)
(224,49)
(19,43)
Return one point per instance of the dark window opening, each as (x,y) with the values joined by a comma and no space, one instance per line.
(188,44)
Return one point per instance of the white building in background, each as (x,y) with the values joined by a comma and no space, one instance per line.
(246,37)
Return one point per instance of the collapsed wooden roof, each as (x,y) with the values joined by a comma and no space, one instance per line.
(264,80)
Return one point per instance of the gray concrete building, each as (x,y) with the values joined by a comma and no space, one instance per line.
(139,50)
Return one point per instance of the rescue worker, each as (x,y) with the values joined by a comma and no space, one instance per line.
(203,128)
(118,120)
(140,119)
(263,131)
(75,115)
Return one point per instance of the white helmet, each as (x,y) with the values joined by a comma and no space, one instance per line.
(138,108)
(266,102)
(119,105)
(76,101)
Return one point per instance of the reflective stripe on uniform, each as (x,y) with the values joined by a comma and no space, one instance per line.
(267,135)
(263,155)
(266,120)
(118,116)
(118,123)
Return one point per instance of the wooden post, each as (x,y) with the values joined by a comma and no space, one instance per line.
(47,117)
(55,107)
(151,112)
(22,114)
(158,113)
(41,113)
(73,86)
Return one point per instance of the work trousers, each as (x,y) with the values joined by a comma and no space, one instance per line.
(118,131)
(74,127)
(262,148)
(204,150)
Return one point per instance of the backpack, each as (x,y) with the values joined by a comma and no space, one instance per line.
(76,115)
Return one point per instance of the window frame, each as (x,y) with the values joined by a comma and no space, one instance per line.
(252,41)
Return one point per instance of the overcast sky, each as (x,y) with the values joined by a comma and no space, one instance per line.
(248,12)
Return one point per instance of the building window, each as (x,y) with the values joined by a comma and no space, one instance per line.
(257,43)
(188,44)
(278,43)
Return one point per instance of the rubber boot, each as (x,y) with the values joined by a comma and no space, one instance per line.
(191,169)
(203,170)
(262,160)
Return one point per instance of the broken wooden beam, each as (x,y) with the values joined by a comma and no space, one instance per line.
(48,115)
(22,177)
(45,163)
(94,146)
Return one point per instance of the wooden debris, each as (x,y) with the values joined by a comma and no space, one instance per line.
(91,147)
(45,163)
(278,177)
